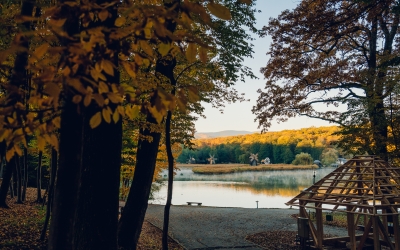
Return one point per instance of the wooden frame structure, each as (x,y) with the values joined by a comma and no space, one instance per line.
(367,189)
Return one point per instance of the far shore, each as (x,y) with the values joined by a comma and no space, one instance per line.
(238,167)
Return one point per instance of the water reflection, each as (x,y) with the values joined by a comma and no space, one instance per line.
(271,188)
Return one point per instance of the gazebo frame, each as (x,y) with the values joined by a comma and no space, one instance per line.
(365,185)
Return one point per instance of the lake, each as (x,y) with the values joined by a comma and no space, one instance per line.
(270,188)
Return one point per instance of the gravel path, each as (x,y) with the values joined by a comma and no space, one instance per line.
(199,227)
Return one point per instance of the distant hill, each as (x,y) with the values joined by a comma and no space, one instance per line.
(208,135)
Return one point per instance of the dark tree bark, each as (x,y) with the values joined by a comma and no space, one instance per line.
(6,183)
(50,193)
(68,179)
(97,223)
(70,155)
(39,179)
(1,169)
(96,220)
(131,221)
(19,179)
(132,217)
(90,161)
(12,189)
(25,179)
(170,180)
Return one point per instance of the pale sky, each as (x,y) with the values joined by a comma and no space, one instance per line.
(238,116)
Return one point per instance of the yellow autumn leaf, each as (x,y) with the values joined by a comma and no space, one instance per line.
(121,110)
(77,99)
(219,11)
(4,134)
(193,94)
(103,87)
(88,99)
(52,89)
(18,150)
(41,143)
(103,15)
(132,111)
(203,54)
(57,22)
(156,114)
(106,115)
(163,48)
(10,120)
(191,52)
(10,153)
(120,21)
(114,98)
(130,69)
(95,120)
(138,59)
(57,122)
(66,71)
(146,47)
(41,50)
(99,99)
(108,67)
(116,116)
(54,141)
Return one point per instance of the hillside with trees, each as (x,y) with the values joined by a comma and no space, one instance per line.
(279,147)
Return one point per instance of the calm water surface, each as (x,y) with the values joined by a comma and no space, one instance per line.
(270,188)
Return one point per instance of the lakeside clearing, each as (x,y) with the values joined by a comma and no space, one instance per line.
(233,168)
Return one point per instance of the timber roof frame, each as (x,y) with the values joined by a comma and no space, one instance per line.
(363,185)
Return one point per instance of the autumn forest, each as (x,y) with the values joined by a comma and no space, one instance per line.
(98,96)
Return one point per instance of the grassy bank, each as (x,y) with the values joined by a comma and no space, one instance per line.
(233,168)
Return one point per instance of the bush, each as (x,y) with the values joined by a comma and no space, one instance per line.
(303,159)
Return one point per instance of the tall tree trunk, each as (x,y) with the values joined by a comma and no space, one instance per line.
(98,198)
(19,179)
(6,183)
(375,105)
(68,179)
(25,181)
(50,193)
(39,179)
(1,169)
(12,189)
(97,223)
(19,77)
(70,154)
(131,221)
(170,180)
(14,180)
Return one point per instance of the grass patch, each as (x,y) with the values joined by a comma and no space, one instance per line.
(233,168)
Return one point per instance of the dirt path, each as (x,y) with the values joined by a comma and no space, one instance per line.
(198,227)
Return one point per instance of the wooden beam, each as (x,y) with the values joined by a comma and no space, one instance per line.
(365,234)
(320,228)
(351,231)
(385,233)
(396,231)
(377,244)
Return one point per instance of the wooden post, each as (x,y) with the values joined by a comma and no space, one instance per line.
(375,218)
(351,229)
(320,228)
(396,232)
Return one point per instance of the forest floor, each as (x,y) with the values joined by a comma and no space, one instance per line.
(20,227)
